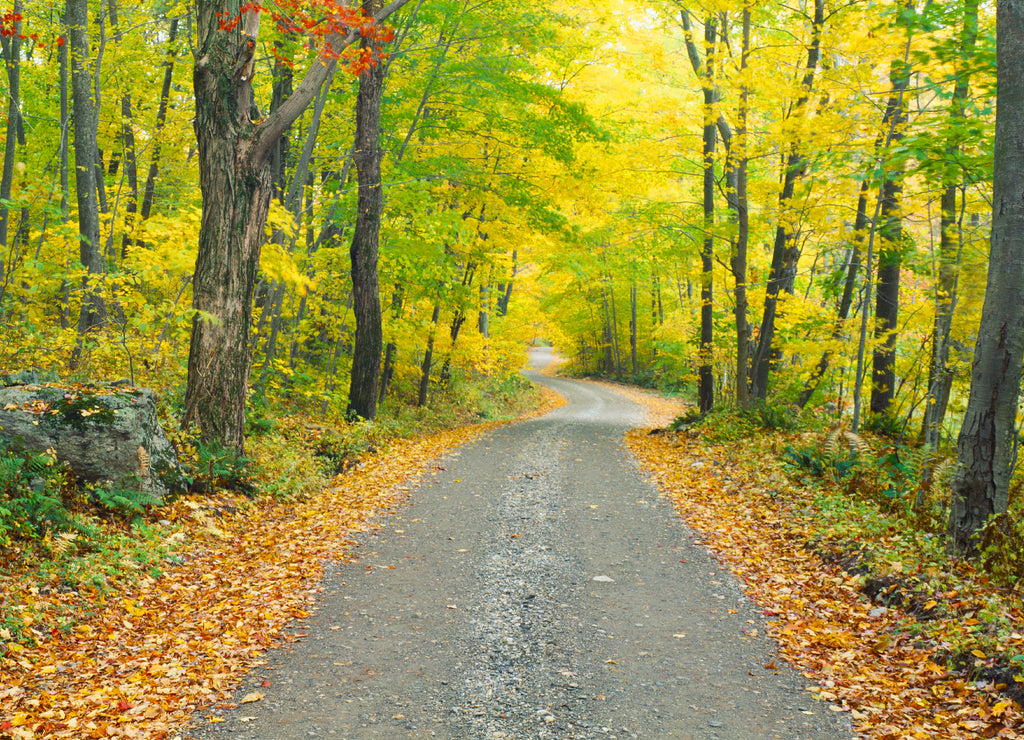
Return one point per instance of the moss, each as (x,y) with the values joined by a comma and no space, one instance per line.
(83,408)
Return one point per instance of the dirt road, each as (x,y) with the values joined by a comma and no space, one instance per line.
(538,587)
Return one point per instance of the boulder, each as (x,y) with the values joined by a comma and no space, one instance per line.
(109,435)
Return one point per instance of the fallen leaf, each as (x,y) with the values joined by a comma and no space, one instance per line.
(251,697)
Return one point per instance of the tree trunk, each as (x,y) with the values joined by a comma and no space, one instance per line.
(428,355)
(149,193)
(388,370)
(940,377)
(93,310)
(987,443)
(369,341)
(785,253)
(706,375)
(738,256)
(506,290)
(11,48)
(235,179)
(65,182)
(890,253)
(633,327)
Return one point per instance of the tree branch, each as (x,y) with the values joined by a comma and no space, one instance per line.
(274,125)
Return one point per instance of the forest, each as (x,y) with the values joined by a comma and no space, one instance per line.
(343,222)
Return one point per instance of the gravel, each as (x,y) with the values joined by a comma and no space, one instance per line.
(536,587)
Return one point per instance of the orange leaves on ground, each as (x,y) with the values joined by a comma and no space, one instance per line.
(863,658)
(149,657)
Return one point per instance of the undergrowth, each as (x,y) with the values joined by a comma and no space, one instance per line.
(87,541)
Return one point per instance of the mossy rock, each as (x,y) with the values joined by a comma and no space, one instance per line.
(105,434)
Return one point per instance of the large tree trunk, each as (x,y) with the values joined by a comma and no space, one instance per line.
(369,340)
(235,178)
(986,448)
(887,299)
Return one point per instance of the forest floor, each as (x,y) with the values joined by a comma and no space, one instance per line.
(169,652)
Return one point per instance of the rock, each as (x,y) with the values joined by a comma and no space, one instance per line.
(105,434)
(28,377)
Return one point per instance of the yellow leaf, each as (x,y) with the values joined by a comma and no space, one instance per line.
(978,654)
(217,719)
(133,609)
(15,647)
(251,697)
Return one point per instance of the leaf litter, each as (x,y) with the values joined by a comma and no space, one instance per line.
(863,659)
(142,658)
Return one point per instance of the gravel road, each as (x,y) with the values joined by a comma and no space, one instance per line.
(535,587)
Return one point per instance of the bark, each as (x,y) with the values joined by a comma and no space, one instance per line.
(93,310)
(11,50)
(986,447)
(887,297)
(235,179)
(706,376)
(704,70)
(738,249)
(890,253)
(369,340)
(785,251)
(65,182)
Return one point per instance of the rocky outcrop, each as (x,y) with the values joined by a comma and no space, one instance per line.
(109,435)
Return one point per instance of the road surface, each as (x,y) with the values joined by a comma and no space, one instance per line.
(537,587)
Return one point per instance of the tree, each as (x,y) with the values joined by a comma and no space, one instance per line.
(705,72)
(986,449)
(93,311)
(369,340)
(235,146)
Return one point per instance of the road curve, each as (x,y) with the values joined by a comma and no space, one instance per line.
(536,587)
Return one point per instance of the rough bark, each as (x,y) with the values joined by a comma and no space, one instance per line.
(235,178)
(369,339)
(986,447)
